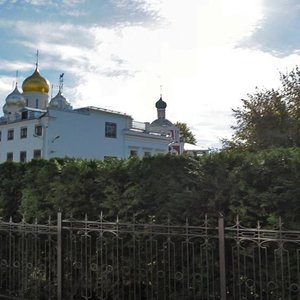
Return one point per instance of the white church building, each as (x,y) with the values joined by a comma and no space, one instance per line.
(34,127)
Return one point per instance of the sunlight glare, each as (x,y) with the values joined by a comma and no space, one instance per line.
(225,22)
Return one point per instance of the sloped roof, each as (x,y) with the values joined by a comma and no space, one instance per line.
(191,147)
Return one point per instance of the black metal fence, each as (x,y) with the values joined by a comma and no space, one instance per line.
(71,259)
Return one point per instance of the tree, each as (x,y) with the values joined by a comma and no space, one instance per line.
(11,185)
(254,185)
(291,94)
(263,121)
(269,118)
(186,134)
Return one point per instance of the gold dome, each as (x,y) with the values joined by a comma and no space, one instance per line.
(36,83)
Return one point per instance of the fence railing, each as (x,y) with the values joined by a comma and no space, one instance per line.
(82,259)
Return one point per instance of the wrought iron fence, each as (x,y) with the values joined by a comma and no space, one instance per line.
(73,259)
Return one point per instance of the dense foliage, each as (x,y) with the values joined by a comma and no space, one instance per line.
(262,185)
(186,134)
(269,118)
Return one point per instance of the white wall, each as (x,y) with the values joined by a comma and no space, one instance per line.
(28,144)
(83,134)
(145,142)
(80,134)
(31,97)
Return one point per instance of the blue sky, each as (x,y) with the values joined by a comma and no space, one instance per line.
(206,54)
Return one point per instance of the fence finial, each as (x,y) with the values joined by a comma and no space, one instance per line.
(258,225)
(280,223)
(186,221)
(237,221)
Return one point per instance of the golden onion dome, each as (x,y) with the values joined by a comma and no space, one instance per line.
(36,83)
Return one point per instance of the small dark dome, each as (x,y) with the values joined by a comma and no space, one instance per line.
(160,104)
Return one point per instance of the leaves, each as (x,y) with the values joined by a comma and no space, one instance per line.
(186,135)
(255,185)
(269,118)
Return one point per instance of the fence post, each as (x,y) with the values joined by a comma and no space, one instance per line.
(59,256)
(222,257)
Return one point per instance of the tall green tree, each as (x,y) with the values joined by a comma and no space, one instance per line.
(269,118)
(186,134)
(291,94)
(263,121)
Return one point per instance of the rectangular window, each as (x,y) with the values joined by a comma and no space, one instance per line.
(133,153)
(147,153)
(9,156)
(23,156)
(38,130)
(23,132)
(10,134)
(37,153)
(24,115)
(110,130)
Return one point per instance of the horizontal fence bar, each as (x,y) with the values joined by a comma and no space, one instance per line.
(87,259)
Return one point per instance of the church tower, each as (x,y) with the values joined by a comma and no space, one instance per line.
(35,90)
(14,103)
(162,125)
(161,108)
(60,101)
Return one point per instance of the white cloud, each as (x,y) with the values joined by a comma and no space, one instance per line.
(278,30)
(225,22)
(8,65)
(38,2)
(6,84)
(67,3)
(192,51)
(73,2)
